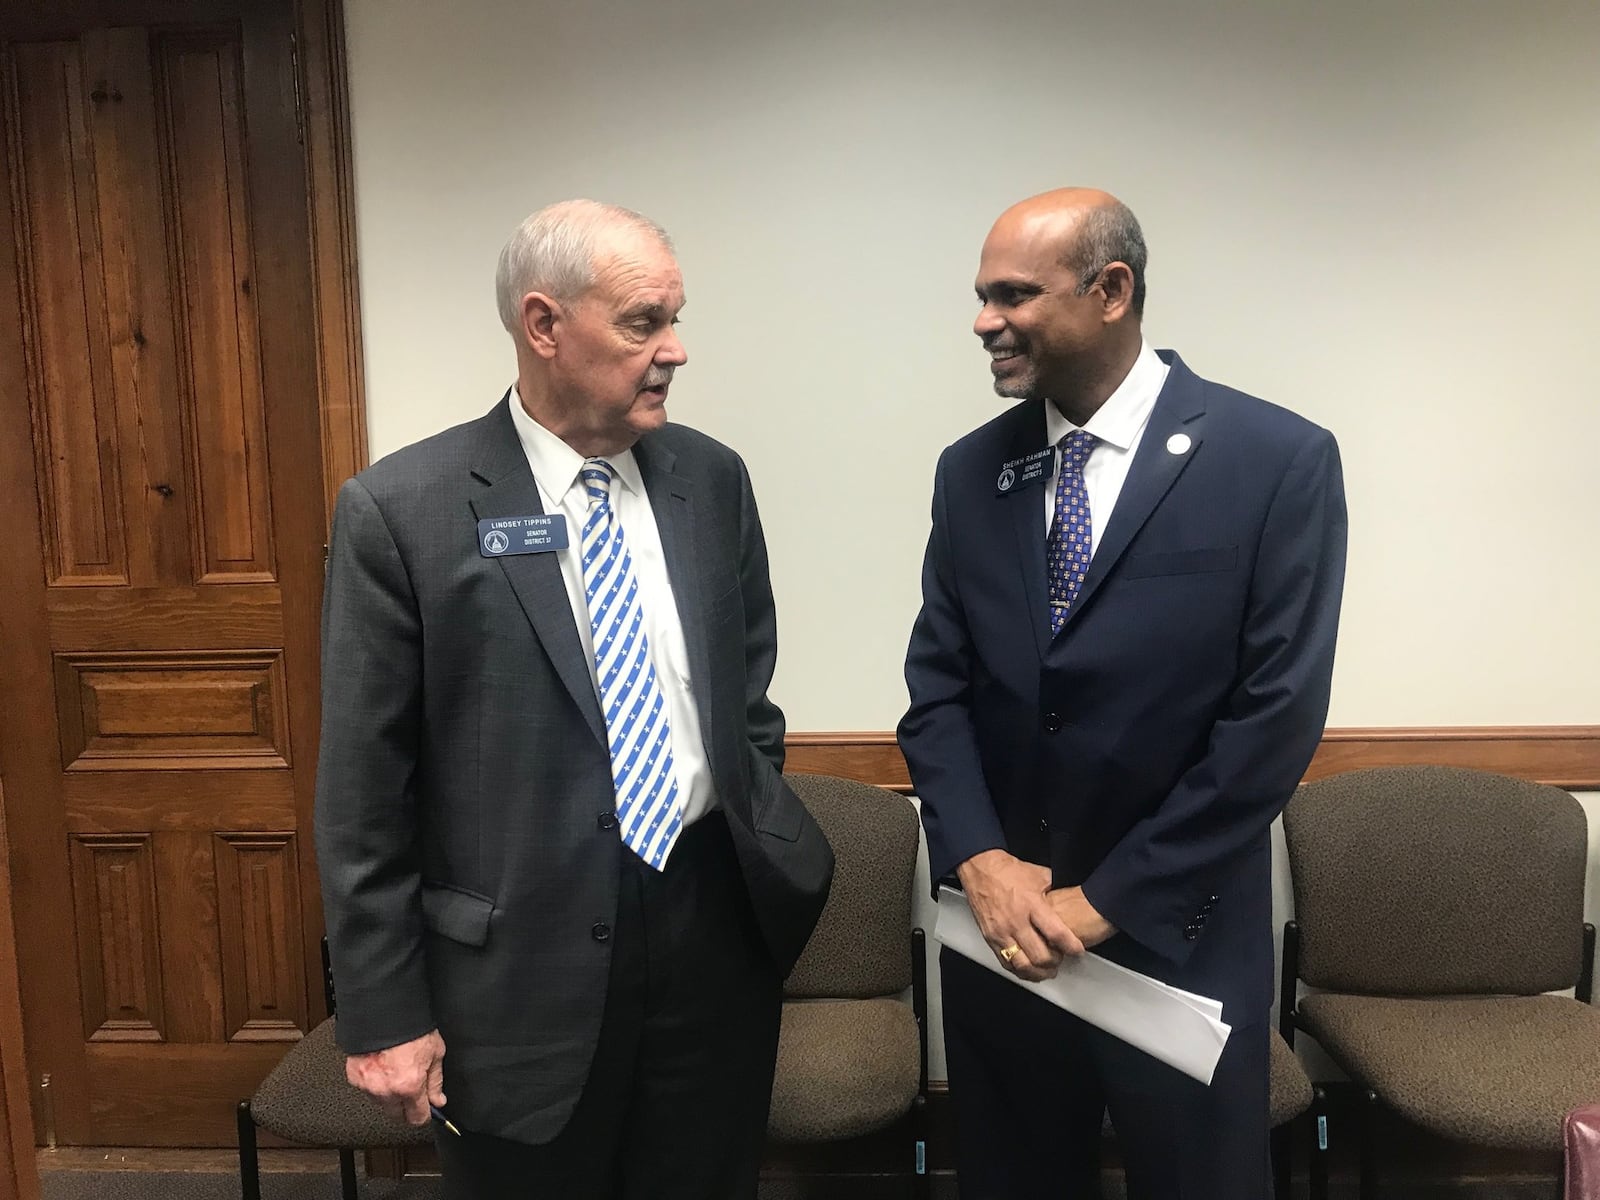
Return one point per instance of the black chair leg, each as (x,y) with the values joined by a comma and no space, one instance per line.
(1281,1164)
(1317,1145)
(1369,1148)
(249,1165)
(347,1175)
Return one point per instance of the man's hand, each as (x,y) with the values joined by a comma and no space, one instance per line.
(1007,897)
(403,1079)
(1078,915)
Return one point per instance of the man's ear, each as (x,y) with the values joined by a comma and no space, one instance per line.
(540,316)
(1116,282)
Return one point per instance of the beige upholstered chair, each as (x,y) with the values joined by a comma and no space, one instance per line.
(306,1099)
(1434,907)
(852,1054)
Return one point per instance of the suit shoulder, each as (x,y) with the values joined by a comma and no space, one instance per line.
(1261,421)
(685,440)
(424,465)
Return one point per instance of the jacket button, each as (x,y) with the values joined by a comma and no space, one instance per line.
(601,932)
(608,820)
(1052,723)
(1190,932)
(1044,826)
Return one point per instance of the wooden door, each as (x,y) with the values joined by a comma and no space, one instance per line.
(162,518)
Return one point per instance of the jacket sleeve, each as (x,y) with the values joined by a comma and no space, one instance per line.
(937,734)
(1158,881)
(366,820)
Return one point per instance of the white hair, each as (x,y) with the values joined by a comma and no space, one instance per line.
(553,252)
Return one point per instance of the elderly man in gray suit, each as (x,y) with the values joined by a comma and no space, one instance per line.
(551,826)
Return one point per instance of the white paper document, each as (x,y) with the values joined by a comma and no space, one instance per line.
(1181,1029)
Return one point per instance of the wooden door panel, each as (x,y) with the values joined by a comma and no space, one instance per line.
(64,318)
(158,705)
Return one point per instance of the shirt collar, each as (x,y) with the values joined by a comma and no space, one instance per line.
(555,464)
(1122,418)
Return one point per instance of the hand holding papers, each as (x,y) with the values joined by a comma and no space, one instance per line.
(1179,1028)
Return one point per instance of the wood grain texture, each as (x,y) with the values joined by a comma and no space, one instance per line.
(258,897)
(162,691)
(64,320)
(171,712)
(114,886)
(1566,756)
(203,112)
(19,1179)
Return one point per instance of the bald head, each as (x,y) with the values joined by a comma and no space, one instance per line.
(1084,230)
(1061,284)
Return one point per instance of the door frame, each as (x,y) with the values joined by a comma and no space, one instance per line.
(323,103)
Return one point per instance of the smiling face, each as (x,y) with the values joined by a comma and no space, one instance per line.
(1041,334)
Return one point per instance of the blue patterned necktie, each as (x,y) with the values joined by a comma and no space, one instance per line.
(649,812)
(1071,530)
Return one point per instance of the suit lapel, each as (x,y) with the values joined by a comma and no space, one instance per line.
(1179,410)
(510,491)
(672,502)
(1024,512)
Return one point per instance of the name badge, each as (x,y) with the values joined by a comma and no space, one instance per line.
(1020,472)
(499,536)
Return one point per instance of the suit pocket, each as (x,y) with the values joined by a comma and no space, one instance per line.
(456,913)
(1181,562)
(781,814)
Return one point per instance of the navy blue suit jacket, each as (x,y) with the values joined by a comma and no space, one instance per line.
(1144,751)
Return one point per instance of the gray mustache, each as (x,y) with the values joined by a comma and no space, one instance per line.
(658,377)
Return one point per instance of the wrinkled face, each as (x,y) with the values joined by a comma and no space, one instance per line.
(617,346)
(1037,330)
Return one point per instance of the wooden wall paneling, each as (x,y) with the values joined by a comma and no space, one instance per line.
(1565,756)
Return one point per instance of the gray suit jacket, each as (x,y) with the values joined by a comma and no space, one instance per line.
(466,871)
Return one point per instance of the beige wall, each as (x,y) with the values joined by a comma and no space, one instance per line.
(1381,215)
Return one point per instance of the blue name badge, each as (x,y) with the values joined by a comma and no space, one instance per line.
(1020,472)
(499,536)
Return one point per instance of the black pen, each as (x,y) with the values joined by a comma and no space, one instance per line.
(443,1120)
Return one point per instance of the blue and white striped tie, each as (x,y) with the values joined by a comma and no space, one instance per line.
(648,808)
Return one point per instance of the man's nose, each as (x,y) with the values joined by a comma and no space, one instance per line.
(987,323)
(672,353)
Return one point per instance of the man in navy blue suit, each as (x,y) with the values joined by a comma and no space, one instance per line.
(1118,676)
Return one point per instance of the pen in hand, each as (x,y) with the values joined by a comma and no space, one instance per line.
(443,1120)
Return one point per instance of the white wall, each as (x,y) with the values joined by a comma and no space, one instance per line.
(1381,215)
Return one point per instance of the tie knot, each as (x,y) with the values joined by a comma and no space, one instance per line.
(597,475)
(1076,447)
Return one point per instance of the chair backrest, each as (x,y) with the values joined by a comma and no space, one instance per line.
(862,944)
(1437,881)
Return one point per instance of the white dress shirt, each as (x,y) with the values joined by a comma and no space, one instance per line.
(1119,426)
(555,467)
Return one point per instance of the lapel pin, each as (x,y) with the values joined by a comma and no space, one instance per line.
(1178,443)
